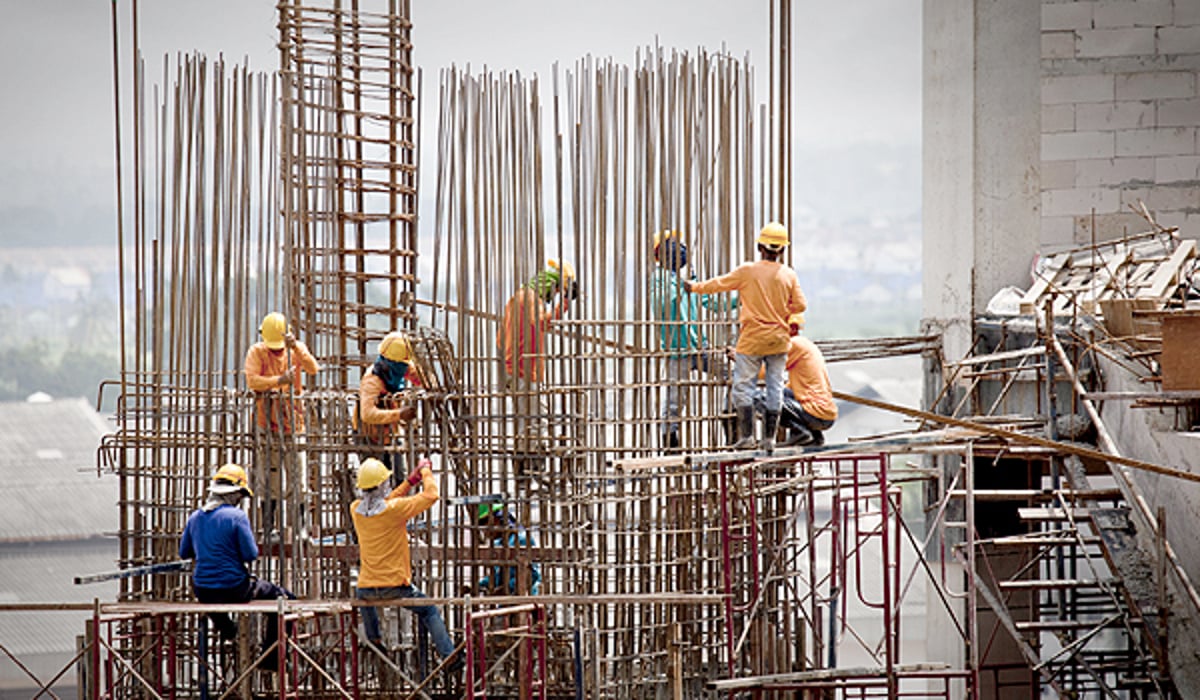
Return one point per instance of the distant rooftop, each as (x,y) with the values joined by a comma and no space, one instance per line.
(47,465)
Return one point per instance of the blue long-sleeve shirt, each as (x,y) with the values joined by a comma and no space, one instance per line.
(221,542)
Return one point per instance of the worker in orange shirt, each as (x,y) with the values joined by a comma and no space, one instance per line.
(382,404)
(768,294)
(808,406)
(274,367)
(385,568)
(522,338)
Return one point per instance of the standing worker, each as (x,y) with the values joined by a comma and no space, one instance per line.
(385,567)
(274,367)
(218,537)
(769,293)
(808,406)
(380,409)
(522,339)
(679,333)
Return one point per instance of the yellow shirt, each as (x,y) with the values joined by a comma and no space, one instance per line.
(808,379)
(768,293)
(382,538)
(263,369)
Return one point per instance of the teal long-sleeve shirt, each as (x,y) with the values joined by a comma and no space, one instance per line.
(679,310)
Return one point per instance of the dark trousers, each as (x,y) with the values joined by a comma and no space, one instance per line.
(248,590)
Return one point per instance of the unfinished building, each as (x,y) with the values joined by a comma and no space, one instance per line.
(1003,547)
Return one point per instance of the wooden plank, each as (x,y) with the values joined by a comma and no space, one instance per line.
(1180,361)
(1168,273)
(1054,264)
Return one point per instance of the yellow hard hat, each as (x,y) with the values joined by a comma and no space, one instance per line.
(372,473)
(773,235)
(396,347)
(565,270)
(274,327)
(664,235)
(229,479)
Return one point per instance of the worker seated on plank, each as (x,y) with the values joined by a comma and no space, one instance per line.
(218,537)
(503,531)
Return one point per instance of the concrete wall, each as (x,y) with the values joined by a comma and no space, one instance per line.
(1120,92)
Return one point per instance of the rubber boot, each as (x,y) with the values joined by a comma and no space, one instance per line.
(770,427)
(745,418)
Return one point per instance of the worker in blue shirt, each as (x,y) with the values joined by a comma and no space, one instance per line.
(503,530)
(218,537)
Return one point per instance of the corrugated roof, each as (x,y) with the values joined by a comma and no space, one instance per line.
(45,573)
(48,469)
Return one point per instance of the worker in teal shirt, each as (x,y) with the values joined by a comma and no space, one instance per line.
(679,331)
(504,531)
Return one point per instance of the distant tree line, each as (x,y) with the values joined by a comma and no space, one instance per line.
(66,373)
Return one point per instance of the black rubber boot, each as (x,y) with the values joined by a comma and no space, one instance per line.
(745,418)
(770,427)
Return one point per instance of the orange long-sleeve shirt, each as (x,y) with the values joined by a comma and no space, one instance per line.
(383,554)
(263,369)
(768,293)
(370,389)
(809,380)
(522,336)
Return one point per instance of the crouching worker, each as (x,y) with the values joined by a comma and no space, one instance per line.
(218,537)
(385,568)
(808,406)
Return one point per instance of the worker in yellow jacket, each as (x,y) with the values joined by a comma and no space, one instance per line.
(768,294)
(385,566)
(274,370)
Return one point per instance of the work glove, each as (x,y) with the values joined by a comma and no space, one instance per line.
(286,377)
(572,291)
(407,413)
(414,477)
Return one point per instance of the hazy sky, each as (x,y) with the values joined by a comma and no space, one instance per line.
(857,70)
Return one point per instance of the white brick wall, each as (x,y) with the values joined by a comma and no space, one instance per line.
(1164,198)
(1107,116)
(1113,172)
(1187,13)
(1179,40)
(1155,86)
(1076,145)
(1177,169)
(1075,201)
(1058,174)
(1067,15)
(1178,113)
(1172,141)
(1058,232)
(1078,88)
(1100,43)
(1058,44)
(1058,118)
(1142,13)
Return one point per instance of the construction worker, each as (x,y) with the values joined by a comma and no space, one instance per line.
(218,537)
(503,531)
(381,407)
(808,406)
(385,569)
(679,333)
(522,340)
(769,293)
(274,367)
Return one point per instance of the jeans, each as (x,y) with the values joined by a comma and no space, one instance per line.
(679,370)
(427,615)
(745,377)
(251,589)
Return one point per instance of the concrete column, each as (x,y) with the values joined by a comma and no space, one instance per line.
(981,133)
